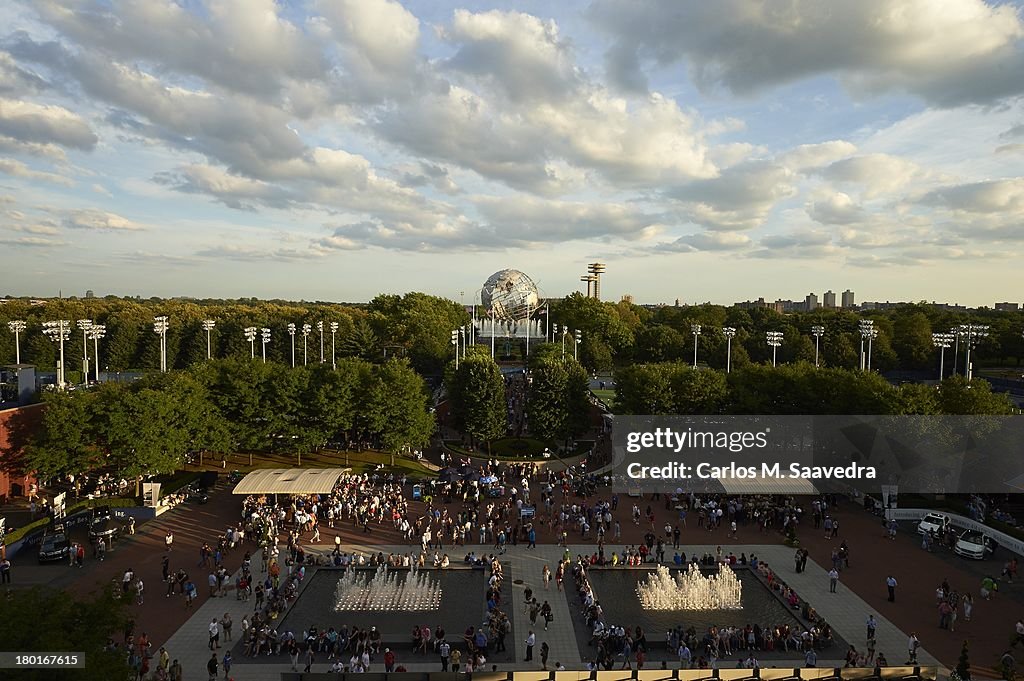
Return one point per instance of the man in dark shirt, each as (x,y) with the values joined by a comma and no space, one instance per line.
(212,666)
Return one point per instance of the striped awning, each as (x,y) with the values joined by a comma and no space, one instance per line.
(290,481)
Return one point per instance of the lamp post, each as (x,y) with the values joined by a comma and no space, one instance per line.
(291,332)
(96,333)
(774,339)
(160,326)
(84,325)
(334,356)
(972,334)
(942,341)
(16,327)
(58,331)
(729,332)
(208,325)
(867,331)
(306,328)
(250,335)
(818,332)
(577,338)
(265,337)
(320,328)
(565,330)
(695,330)
(455,344)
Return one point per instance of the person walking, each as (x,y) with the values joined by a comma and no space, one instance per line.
(833,579)
(5,571)
(544,652)
(456,659)
(168,540)
(546,577)
(913,643)
(212,667)
(891,584)
(214,634)
(531,640)
(444,651)
(226,663)
(139,588)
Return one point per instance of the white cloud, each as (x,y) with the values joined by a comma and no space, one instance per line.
(44,124)
(707,241)
(810,156)
(99,220)
(16,168)
(876,174)
(967,51)
(740,198)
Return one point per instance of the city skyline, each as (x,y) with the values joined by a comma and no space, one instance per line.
(335,150)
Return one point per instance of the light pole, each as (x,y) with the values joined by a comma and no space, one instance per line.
(96,333)
(250,335)
(972,333)
(265,337)
(58,331)
(565,330)
(462,338)
(942,341)
(208,325)
(867,331)
(455,344)
(695,330)
(729,333)
(291,332)
(577,338)
(334,356)
(84,325)
(818,332)
(774,339)
(16,327)
(306,328)
(320,328)
(160,326)
(493,317)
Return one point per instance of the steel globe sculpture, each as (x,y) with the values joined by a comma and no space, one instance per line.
(510,295)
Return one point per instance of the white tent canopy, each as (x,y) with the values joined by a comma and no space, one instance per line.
(290,481)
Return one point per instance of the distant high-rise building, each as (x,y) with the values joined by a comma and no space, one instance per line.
(811,302)
(1007,307)
(90,294)
(848,299)
(627,298)
(677,302)
(828,299)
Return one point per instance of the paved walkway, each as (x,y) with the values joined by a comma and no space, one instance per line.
(845,610)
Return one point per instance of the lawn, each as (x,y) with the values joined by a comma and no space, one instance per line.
(607,396)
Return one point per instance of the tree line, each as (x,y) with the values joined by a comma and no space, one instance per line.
(620,334)
(147,427)
(793,389)
(414,325)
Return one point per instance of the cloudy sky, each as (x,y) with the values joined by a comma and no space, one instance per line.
(333,149)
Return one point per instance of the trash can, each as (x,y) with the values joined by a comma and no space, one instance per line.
(417,492)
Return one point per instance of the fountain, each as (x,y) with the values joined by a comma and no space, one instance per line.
(691,590)
(383,591)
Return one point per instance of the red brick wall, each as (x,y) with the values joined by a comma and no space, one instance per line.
(15,426)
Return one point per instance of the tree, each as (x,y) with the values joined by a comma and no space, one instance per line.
(558,402)
(397,408)
(957,395)
(642,389)
(362,342)
(696,391)
(912,340)
(477,392)
(963,664)
(56,620)
(64,442)
(660,343)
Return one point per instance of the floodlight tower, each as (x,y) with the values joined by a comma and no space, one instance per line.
(942,341)
(96,334)
(306,328)
(160,326)
(320,328)
(972,333)
(291,332)
(867,333)
(84,325)
(208,325)
(58,331)
(16,327)
(818,332)
(334,356)
(265,337)
(596,269)
(455,344)
(774,339)
(729,333)
(695,330)
(250,335)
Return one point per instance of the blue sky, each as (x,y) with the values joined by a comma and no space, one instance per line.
(334,149)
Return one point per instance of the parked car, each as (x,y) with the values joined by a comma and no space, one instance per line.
(197,494)
(933,523)
(54,545)
(103,525)
(974,544)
